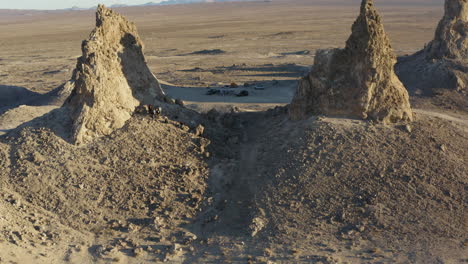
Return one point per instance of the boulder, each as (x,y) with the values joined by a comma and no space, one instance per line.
(357,81)
(110,80)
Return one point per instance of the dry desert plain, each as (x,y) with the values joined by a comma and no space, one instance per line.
(344,191)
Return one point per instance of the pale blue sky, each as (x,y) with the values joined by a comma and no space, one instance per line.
(59,4)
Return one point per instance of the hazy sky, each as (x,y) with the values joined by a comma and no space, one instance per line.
(59,4)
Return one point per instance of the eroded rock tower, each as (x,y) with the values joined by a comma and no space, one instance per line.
(111,78)
(357,81)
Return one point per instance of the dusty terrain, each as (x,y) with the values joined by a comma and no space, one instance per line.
(254,187)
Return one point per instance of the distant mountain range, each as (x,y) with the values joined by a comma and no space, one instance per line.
(167,2)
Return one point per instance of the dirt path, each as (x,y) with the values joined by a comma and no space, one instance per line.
(441,115)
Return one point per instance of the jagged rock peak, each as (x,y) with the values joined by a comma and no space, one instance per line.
(456,9)
(450,39)
(358,81)
(111,78)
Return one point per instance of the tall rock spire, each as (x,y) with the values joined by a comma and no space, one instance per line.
(451,37)
(443,64)
(111,78)
(358,81)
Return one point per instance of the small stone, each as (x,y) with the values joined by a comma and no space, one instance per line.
(132,227)
(179,102)
(189,237)
(257,225)
(138,251)
(169,100)
(408,128)
(199,130)
(443,148)
(38,158)
(268,252)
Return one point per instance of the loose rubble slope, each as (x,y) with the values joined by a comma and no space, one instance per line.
(348,190)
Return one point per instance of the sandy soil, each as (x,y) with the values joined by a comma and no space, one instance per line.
(255,187)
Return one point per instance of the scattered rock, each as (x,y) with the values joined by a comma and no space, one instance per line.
(188,237)
(443,148)
(173,251)
(179,102)
(258,223)
(154,111)
(199,130)
(169,100)
(407,128)
(358,81)
(38,158)
(184,127)
(138,251)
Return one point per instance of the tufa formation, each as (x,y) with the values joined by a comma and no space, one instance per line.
(357,81)
(443,63)
(110,80)
(450,39)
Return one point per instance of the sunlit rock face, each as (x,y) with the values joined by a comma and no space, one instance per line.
(110,80)
(358,81)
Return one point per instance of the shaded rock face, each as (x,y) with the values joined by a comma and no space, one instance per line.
(444,62)
(110,80)
(358,81)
